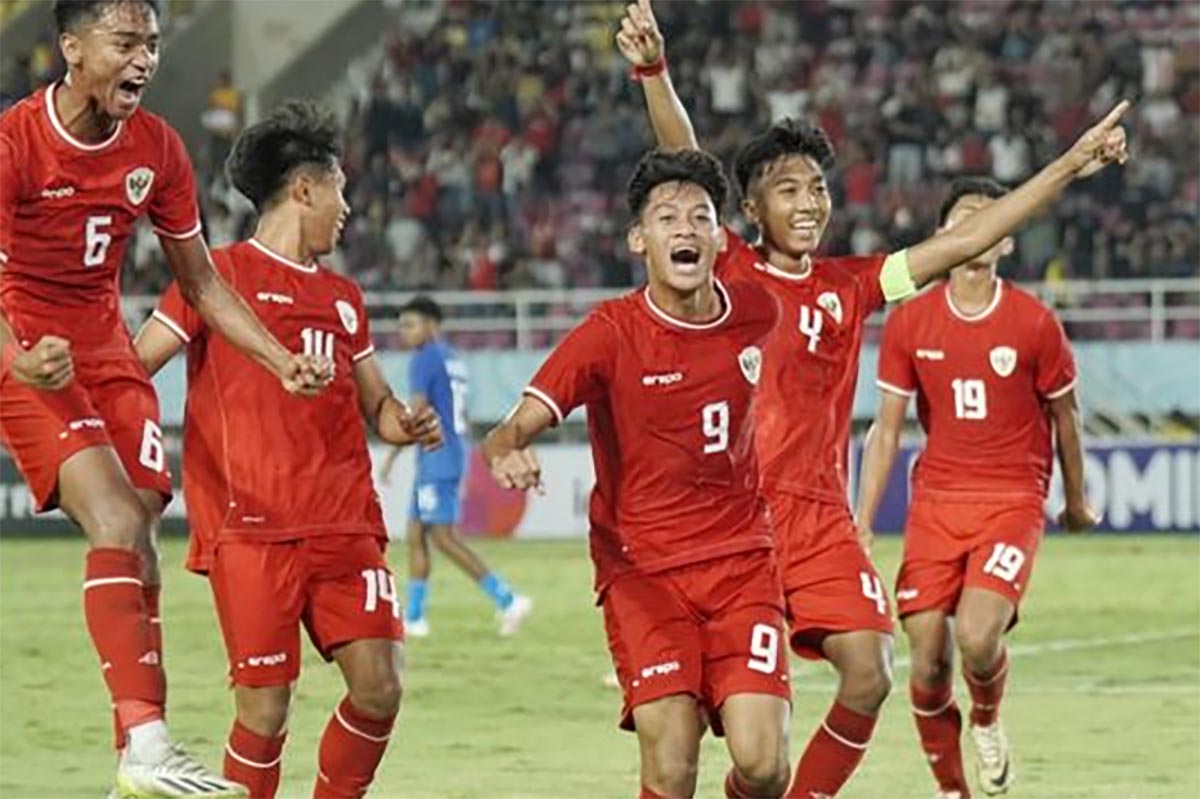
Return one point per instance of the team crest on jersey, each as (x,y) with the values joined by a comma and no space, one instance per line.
(348,316)
(750,360)
(832,305)
(1004,360)
(138,183)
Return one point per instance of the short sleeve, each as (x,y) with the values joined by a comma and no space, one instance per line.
(174,312)
(1056,372)
(361,344)
(736,252)
(578,370)
(173,208)
(869,276)
(9,193)
(896,373)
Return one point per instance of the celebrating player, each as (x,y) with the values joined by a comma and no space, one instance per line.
(437,377)
(679,533)
(284,518)
(837,607)
(992,371)
(79,165)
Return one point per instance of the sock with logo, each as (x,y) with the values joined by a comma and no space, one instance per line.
(939,725)
(833,753)
(986,691)
(350,751)
(115,612)
(494,586)
(253,760)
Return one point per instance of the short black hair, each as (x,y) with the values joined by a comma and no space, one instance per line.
(784,138)
(686,166)
(423,305)
(297,133)
(70,14)
(964,187)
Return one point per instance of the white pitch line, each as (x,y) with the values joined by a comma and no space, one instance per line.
(1073,645)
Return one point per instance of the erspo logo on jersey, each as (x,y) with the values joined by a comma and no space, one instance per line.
(667,379)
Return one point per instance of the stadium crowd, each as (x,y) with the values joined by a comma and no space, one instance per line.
(489,143)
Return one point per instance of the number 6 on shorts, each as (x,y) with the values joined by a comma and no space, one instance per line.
(764,646)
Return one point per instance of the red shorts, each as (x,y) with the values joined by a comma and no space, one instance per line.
(338,586)
(829,582)
(109,403)
(709,629)
(949,546)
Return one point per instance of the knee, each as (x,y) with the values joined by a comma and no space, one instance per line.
(766,773)
(443,538)
(380,697)
(979,643)
(264,711)
(866,688)
(929,669)
(671,773)
(121,525)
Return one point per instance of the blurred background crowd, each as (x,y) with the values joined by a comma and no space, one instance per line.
(488,144)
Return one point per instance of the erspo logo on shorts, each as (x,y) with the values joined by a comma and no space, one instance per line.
(267,660)
(661,669)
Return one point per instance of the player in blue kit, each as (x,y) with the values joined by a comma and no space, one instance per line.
(437,376)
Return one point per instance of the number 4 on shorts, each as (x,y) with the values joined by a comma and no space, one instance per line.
(872,589)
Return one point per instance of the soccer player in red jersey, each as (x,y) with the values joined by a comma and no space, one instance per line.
(284,518)
(80,163)
(837,607)
(992,372)
(680,536)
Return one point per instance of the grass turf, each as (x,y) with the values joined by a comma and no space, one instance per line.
(1103,701)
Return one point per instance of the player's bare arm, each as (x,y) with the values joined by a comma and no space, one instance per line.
(394,421)
(641,42)
(228,314)
(156,344)
(506,450)
(1077,516)
(1100,146)
(879,453)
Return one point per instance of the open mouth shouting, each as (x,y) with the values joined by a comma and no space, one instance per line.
(685,258)
(129,92)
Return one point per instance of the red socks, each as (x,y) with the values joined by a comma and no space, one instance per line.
(649,793)
(351,748)
(150,594)
(986,691)
(115,611)
(833,753)
(253,761)
(939,725)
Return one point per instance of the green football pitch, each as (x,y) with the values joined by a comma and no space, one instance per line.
(1103,703)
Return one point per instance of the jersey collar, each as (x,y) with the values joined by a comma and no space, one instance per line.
(61,129)
(984,314)
(309,268)
(671,320)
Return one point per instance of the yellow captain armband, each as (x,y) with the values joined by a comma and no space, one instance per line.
(895,279)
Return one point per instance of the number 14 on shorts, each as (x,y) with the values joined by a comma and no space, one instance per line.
(381,587)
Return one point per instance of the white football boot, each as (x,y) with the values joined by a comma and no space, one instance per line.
(993,759)
(515,614)
(174,773)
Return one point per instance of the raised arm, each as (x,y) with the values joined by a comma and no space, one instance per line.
(641,42)
(1103,144)
(506,450)
(879,453)
(228,314)
(1077,516)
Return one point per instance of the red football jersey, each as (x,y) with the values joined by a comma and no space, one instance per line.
(982,384)
(810,366)
(669,417)
(258,463)
(67,210)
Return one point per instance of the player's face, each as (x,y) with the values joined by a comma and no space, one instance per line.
(790,204)
(679,235)
(966,206)
(115,57)
(415,330)
(326,210)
